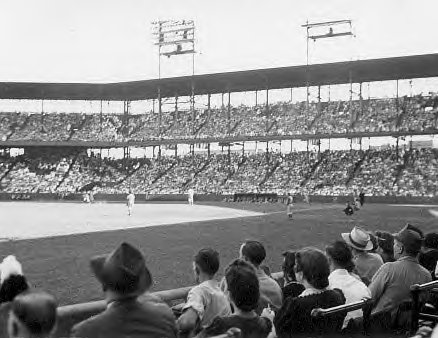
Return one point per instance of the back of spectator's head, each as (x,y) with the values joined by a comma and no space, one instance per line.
(374,241)
(314,267)
(253,252)
(340,254)
(242,285)
(32,314)
(431,240)
(411,238)
(11,279)
(207,261)
(288,265)
(385,241)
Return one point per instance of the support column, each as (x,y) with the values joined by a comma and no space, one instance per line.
(208,147)
(319,100)
(256,98)
(360,99)
(352,117)
(267,109)
(159,112)
(101,115)
(176,150)
(396,97)
(176,110)
(209,106)
(229,113)
(192,106)
(291,95)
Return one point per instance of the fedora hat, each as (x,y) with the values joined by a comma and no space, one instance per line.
(123,271)
(411,237)
(358,239)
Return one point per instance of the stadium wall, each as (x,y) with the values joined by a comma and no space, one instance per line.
(141,198)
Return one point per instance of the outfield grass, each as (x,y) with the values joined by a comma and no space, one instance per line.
(60,264)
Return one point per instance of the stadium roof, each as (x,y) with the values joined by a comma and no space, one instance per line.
(406,67)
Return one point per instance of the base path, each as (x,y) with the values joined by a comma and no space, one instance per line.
(22,220)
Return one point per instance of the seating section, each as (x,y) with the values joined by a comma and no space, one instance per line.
(419,113)
(329,173)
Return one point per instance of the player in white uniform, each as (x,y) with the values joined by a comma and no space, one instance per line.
(191,194)
(131,201)
(290,205)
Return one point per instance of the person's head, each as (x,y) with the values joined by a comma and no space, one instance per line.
(312,268)
(340,256)
(205,264)
(32,314)
(288,266)
(358,239)
(386,242)
(253,252)
(374,241)
(431,240)
(408,242)
(12,280)
(122,273)
(242,285)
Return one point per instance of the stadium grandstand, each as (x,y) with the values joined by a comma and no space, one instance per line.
(232,148)
(312,194)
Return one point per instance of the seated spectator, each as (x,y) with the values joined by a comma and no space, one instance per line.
(206,300)
(124,277)
(12,280)
(342,277)
(31,315)
(386,246)
(312,270)
(429,254)
(244,293)
(254,253)
(391,284)
(366,263)
(291,287)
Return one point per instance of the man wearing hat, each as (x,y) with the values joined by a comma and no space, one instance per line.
(366,263)
(391,283)
(124,277)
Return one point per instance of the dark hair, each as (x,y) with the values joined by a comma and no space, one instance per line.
(243,285)
(314,266)
(36,311)
(208,260)
(385,241)
(288,265)
(11,287)
(340,253)
(374,241)
(254,251)
(431,240)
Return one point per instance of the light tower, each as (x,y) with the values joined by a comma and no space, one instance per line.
(324,30)
(173,38)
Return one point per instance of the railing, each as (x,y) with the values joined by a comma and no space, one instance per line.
(365,305)
(417,315)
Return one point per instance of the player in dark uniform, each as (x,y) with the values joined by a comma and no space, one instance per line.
(349,209)
(290,205)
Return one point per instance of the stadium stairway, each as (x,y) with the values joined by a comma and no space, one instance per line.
(357,167)
(312,170)
(72,163)
(197,172)
(232,172)
(269,173)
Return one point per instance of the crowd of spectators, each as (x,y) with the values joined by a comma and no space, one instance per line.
(376,172)
(417,113)
(248,299)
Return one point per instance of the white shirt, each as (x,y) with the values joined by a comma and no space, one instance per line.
(191,193)
(352,287)
(131,198)
(208,301)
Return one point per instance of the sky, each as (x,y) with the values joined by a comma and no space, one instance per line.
(111,40)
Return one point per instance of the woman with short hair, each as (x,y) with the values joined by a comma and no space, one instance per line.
(312,270)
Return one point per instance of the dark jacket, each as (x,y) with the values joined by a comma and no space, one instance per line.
(256,327)
(292,289)
(295,318)
(129,319)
